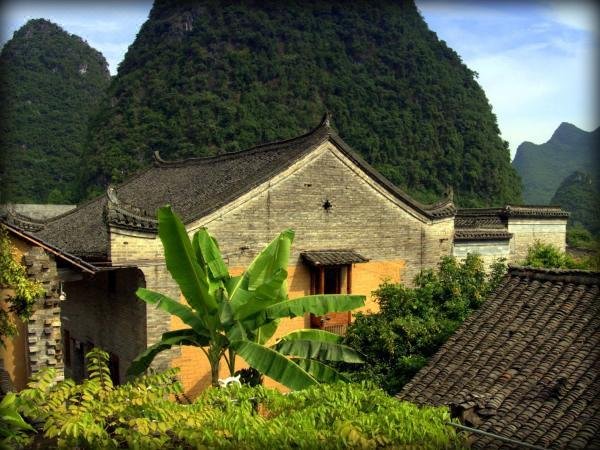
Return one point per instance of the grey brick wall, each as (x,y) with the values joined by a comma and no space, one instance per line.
(107,314)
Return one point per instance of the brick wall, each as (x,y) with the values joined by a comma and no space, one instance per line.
(527,231)
(489,251)
(106,313)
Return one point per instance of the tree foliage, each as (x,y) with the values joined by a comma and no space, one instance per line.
(413,322)
(205,77)
(140,414)
(550,257)
(579,193)
(50,82)
(228,316)
(23,291)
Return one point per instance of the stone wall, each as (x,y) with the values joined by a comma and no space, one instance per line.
(104,311)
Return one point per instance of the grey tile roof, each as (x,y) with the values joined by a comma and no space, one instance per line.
(332,257)
(526,365)
(196,187)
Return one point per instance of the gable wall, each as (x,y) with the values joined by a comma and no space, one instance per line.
(363,217)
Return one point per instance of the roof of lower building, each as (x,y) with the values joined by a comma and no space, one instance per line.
(332,257)
(486,217)
(481,235)
(196,187)
(526,365)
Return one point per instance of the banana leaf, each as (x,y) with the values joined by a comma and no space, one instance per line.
(183,266)
(322,372)
(313,334)
(185,313)
(274,365)
(275,256)
(169,339)
(314,304)
(208,254)
(324,351)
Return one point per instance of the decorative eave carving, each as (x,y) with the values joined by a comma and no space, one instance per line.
(129,217)
(11,216)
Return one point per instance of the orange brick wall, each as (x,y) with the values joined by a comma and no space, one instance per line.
(193,364)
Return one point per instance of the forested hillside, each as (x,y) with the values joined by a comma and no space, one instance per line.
(543,167)
(206,77)
(579,194)
(50,82)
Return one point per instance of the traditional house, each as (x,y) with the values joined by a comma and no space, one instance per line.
(526,366)
(353,230)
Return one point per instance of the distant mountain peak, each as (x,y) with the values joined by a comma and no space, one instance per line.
(566,133)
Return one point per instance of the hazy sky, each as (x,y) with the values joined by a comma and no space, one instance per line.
(535,59)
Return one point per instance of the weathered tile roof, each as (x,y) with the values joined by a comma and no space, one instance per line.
(526,365)
(332,257)
(497,217)
(196,187)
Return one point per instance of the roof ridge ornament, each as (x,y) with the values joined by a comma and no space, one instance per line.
(111,193)
(157,158)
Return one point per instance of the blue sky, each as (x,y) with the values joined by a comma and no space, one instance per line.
(536,60)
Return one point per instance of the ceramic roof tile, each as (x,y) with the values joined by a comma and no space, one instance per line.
(527,363)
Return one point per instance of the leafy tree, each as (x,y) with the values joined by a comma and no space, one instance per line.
(229,316)
(13,276)
(141,415)
(413,323)
(549,256)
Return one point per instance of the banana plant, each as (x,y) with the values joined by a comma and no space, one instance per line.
(237,315)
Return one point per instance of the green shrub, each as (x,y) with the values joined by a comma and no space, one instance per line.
(413,323)
(548,256)
(141,415)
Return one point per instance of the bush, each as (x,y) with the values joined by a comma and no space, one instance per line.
(141,415)
(413,323)
(548,256)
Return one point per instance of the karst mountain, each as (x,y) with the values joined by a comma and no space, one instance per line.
(50,83)
(208,77)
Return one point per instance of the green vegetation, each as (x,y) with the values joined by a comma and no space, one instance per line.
(579,194)
(23,293)
(12,426)
(229,316)
(205,77)
(550,257)
(414,322)
(50,82)
(543,167)
(139,414)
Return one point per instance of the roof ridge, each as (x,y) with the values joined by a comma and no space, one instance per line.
(324,124)
(440,209)
(579,276)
